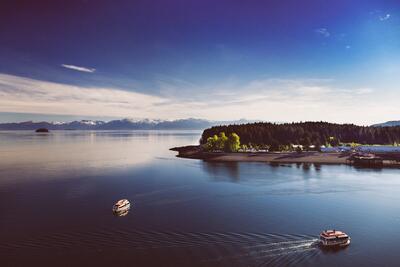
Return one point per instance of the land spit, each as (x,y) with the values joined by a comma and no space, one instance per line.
(195,152)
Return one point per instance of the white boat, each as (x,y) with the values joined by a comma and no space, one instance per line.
(334,238)
(122,206)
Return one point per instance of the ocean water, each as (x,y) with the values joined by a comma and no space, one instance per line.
(57,191)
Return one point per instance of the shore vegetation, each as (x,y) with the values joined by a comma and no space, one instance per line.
(221,142)
(295,136)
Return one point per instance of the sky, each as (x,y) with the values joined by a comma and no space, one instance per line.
(270,60)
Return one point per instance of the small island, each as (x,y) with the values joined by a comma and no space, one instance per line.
(304,142)
(42,130)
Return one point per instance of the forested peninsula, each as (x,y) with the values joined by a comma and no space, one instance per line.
(276,136)
(297,142)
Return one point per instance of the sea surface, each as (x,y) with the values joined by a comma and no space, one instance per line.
(57,191)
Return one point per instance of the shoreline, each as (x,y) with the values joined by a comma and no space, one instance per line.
(195,152)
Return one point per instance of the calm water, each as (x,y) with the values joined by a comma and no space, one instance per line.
(57,191)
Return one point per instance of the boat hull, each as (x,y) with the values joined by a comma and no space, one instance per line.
(333,245)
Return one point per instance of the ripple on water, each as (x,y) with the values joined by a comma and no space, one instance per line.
(209,248)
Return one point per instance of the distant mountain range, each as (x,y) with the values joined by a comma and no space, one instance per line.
(124,124)
(387,124)
(130,124)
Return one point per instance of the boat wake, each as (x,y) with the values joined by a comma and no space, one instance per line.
(174,248)
(273,250)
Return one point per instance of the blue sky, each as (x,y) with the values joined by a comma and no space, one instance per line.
(268,60)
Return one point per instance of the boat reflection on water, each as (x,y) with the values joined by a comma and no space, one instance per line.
(331,249)
(121,213)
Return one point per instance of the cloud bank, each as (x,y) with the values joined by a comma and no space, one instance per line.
(19,94)
(264,99)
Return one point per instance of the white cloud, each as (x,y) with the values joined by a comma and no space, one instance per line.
(287,100)
(323,31)
(77,68)
(264,99)
(19,94)
(384,17)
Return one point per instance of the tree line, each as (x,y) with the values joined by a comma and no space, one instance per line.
(277,136)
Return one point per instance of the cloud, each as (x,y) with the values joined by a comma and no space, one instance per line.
(384,17)
(260,99)
(25,95)
(77,68)
(284,100)
(348,46)
(379,14)
(323,31)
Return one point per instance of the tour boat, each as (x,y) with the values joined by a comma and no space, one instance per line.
(334,238)
(121,206)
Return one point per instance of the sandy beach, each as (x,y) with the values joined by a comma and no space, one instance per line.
(279,157)
(288,157)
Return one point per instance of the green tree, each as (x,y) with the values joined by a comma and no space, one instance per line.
(233,142)
(211,143)
(221,141)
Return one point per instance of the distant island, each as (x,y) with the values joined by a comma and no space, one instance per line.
(42,130)
(303,142)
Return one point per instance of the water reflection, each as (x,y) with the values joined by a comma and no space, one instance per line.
(222,171)
(278,164)
(317,167)
(332,249)
(76,153)
(121,213)
(239,171)
(368,168)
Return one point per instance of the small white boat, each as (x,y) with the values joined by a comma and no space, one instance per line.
(334,238)
(122,206)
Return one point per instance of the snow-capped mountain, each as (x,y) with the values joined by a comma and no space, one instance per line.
(90,122)
(123,124)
